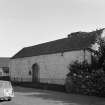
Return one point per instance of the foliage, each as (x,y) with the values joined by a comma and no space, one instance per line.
(101,53)
(86,80)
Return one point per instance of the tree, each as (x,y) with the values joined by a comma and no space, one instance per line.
(101,54)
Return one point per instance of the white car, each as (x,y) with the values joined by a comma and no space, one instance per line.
(6,90)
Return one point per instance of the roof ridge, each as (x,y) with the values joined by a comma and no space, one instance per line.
(46,42)
(59,45)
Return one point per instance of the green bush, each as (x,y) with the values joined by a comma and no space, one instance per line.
(85,79)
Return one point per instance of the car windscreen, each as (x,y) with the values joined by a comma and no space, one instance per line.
(7,84)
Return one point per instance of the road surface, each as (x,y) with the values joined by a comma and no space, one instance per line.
(28,96)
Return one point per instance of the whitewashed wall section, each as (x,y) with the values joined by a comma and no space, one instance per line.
(52,68)
(19,70)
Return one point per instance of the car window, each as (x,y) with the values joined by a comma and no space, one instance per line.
(7,84)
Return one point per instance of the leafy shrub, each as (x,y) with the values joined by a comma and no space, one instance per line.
(85,79)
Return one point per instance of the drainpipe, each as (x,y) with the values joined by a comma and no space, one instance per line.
(84,54)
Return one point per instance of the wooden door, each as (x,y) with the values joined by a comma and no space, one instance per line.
(35,72)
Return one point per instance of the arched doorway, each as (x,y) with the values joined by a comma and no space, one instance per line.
(35,72)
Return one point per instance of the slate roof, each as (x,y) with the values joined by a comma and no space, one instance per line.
(74,41)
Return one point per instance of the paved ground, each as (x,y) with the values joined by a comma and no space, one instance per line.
(28,96)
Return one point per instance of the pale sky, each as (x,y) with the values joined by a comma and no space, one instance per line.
(26,23)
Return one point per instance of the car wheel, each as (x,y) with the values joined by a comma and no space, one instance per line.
(9,99)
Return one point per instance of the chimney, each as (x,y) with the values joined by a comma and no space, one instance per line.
(74,33)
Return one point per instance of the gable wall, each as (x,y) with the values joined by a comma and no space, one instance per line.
(53,67)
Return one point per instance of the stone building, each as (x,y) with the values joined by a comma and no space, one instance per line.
(48,62)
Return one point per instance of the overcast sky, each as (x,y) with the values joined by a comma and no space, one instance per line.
(29,22)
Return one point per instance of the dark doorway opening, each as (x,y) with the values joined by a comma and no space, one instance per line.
(35,73)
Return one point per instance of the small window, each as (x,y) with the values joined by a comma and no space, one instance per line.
(5,69)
